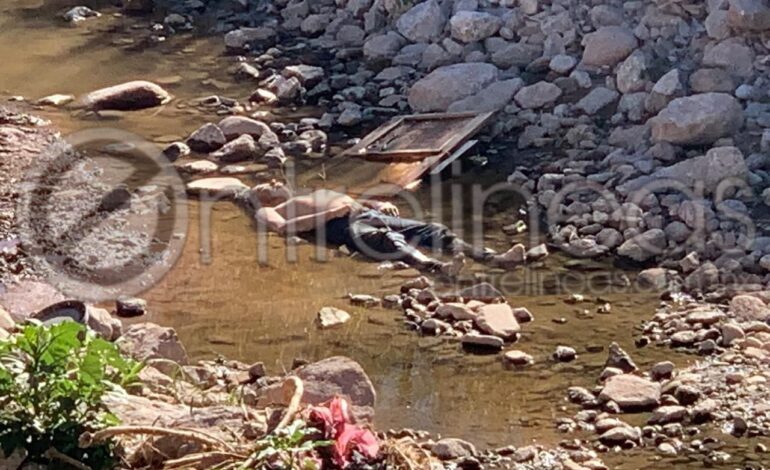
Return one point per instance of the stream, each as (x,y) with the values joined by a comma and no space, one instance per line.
(229,304)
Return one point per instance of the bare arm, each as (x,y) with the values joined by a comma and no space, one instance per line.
(275,222)
(271,219)
(310,222)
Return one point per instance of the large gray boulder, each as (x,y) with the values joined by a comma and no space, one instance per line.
(423,22)
(709,170)
(383,47)
(472,26)
(495,96)
(698,119)
(445,85)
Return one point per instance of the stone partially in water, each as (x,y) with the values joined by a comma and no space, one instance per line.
(329,317)
(497,320)
(238,150)
(224,187)
(128,96)
(207,138)
(620,359)
(631,392)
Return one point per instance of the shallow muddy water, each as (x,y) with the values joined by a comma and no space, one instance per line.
(229,304)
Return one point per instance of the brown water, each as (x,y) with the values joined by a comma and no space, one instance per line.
(229,304)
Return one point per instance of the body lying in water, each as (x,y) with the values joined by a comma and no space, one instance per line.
(372,228)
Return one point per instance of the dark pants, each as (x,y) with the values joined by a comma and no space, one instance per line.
(383,237)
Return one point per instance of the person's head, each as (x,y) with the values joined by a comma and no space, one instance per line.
(269,194)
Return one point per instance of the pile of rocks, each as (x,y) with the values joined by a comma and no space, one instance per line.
(241,145)
(725,390)
(478,316)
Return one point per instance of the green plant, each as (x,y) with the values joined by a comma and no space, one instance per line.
(289,448)
(52,380)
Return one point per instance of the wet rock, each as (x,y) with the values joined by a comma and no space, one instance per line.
(146,341)
(130,307)
(472,26)
(79,13)
(423,22)
(697,119)
(334,376)
(620,435)
(198,167)
(451,449)
(630,392)
(483,292)
(433,326)
(497,320)
(240,149)
(329,317)
(662,370)
(275,158)
(244,38)
(517,358)
(608,46)
(620,359)
(655,278)
(455,311)
(207,138)
(233,127)
(668,414)
(56,100)
(565,354)
(225,187)
(127,96)
(474,340)
(445,85)
(523,315)
(538,95)
(308,75)
(176,150)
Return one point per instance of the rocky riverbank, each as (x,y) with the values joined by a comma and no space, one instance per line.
(644,122)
